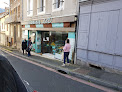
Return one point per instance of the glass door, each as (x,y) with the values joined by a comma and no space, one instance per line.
(46,47)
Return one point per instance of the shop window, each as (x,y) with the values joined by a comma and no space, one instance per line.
(29,7)
(41,6)
(58,5)
(33,40)
(53,42)
(33,37)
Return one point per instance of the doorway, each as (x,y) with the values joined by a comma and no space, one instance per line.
(14,34)
(46,44)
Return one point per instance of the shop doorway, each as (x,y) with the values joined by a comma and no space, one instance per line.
(46,47)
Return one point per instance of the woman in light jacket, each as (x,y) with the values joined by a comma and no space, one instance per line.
(66,50)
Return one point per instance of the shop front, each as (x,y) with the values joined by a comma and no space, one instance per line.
(53,42)
(50,38)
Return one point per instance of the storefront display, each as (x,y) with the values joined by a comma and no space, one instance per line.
(51,42)
(54,42)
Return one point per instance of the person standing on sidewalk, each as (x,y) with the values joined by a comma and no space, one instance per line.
(66,50)
(29,46)
(24,45)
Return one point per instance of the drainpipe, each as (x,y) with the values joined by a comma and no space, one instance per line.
(77,26)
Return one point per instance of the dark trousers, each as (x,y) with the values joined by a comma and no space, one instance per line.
(29,53)
(23,51)
(66,56)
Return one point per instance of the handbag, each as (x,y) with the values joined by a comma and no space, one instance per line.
(27,49)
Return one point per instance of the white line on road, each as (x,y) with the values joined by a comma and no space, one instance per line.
(26,82)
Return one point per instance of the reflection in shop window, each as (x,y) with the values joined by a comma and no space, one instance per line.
(33,40)
(53,42)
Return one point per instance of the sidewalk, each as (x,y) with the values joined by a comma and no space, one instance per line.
(97,76)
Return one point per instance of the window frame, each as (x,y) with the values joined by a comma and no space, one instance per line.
(57,9)
(44,8)
(28,10)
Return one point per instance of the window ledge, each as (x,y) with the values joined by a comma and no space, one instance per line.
(41,13)
(58,9)
(30,15)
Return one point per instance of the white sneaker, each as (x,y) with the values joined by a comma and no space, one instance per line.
(63,64)
(68,64)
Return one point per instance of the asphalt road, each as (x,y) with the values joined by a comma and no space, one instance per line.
(44,80)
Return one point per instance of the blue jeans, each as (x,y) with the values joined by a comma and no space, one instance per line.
(29,53)
(66,55)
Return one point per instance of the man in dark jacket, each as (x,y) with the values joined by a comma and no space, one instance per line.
(24,45)
(29,46)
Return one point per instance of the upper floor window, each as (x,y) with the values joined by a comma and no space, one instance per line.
(40,6)
(29,7)
(58,4)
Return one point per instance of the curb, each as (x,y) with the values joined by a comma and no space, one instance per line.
(91,79)
(98,81)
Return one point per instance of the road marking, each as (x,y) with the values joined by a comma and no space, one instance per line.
(29,87)
(26,82)
(67,76)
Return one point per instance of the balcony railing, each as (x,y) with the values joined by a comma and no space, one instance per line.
(13,18)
